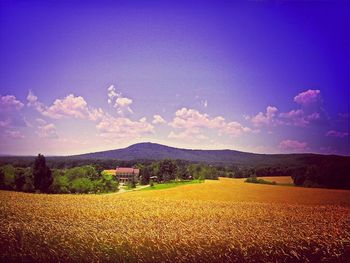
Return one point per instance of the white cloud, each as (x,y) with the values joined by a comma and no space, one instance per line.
(13,134)
(266,118)
(112,93)
(308,97)
(69,107)
(205,103)
(157,119)
(190,119)
(234,129)
(34,102)
(95,114)
(9,103)
(298,118)
(76,107)
(143,119)
(40,121)
(310,111)
(47,131)
(118,128)
(10,113)
(122,104)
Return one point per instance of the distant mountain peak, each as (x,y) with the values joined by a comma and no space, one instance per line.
(155,151)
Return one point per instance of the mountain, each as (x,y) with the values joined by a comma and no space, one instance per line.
(153,151)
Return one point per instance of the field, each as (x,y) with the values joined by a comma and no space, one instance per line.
(216,221)
(279,179)
(161,186)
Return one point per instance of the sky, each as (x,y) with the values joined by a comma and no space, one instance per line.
(257,76)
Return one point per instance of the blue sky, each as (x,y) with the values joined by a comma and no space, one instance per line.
(81,76)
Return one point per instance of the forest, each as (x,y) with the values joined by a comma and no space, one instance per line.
(76,175)
(90,177)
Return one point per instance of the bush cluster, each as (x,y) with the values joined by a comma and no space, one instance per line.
(256,180)
(169,170)
(83,179)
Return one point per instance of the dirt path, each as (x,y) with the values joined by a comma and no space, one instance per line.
(122,190)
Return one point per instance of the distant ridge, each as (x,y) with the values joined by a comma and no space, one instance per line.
(154,151)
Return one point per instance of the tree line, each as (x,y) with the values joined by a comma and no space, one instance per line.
(40,178)
(91,178)
(82,175)
(326,174)
(168,170)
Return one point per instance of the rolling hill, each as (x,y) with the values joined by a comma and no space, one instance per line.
(153,151)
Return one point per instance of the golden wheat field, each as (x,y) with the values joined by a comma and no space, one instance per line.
(279,179)
(216,221)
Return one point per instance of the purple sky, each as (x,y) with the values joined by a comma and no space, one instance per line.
(86,76)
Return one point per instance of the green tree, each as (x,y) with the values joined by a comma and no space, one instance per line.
(131,184)
(108,182)
(87,171)
(195,171)
(145,175)
(60,184)
(42,174)
(209,172)
(8,177)
(155,170)
(98,168)
(2,178)
(182,172)
(20,178)
(82,185)
(167,170)
(28,184)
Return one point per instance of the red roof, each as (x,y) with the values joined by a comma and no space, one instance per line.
(126,170)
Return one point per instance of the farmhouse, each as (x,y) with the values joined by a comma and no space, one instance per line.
(126,174)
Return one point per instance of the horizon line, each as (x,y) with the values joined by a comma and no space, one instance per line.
(194,149)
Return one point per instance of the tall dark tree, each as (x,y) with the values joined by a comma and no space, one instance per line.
(20,179)
(145,175)
(182,172)
(167,169)
(2,179)
(42,174)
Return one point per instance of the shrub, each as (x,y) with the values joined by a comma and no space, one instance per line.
(28,186)
(82,185)
(86,171)
(106,176)
(130,185)
(20,180)
(145,175)
(8,177)
(167,170)
(60,185)
(255,180)
(107,183)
